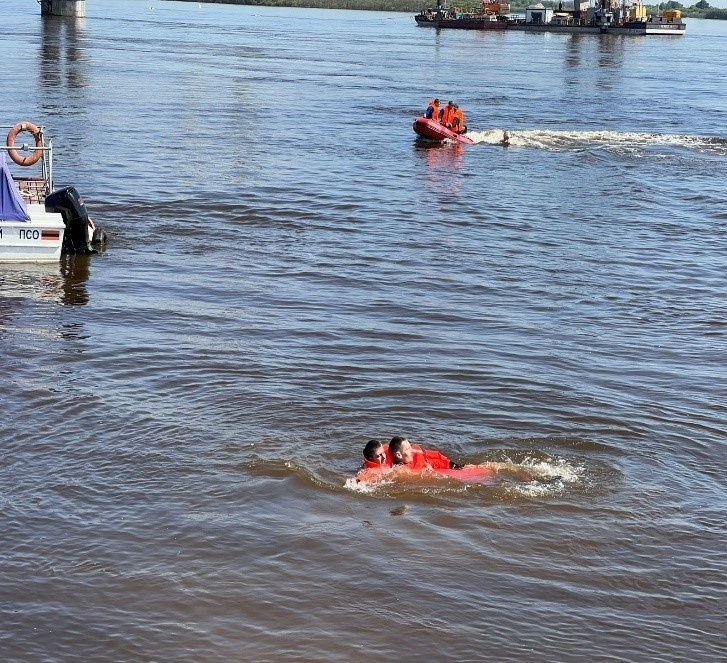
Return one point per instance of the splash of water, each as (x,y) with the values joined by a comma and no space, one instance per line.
(530,477)
(562,140)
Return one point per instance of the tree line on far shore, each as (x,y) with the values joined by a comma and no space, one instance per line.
(699,10)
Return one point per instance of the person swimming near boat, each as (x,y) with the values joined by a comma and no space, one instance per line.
(413,457)
(432,112)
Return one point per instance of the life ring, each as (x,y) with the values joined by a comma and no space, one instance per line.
(14,154)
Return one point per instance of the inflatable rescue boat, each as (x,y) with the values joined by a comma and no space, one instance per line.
(432,130)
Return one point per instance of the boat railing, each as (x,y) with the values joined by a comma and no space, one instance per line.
(34,189)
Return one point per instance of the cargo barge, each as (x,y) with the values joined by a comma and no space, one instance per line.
(605,17)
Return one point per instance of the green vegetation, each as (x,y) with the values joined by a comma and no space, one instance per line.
(699,10)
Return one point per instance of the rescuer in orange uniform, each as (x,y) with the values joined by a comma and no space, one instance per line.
(415,458)
(447,115)
(432,112)
(458,125)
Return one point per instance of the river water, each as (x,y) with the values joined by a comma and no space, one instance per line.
(289,273)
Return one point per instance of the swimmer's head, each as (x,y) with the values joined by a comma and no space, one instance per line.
(400,450)
(374,452)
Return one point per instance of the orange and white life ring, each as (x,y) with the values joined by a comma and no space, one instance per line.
(14,154)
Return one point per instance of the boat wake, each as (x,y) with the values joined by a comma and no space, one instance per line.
(567,140)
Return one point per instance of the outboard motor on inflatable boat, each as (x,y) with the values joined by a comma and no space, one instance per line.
(69,204)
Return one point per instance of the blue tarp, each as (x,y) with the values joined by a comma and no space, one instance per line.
(12,205)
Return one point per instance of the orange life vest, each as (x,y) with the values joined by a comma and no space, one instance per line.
(435,110)
(458,120)
(425,459)
(447,114)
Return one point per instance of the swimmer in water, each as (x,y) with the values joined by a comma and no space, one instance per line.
(415,458)
(376,454)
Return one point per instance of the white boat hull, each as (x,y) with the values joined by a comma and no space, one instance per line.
(58,220)
(38,240)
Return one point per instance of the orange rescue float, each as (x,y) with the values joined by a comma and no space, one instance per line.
(484,473)
(14,154)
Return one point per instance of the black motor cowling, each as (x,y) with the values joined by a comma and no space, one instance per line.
(69,204)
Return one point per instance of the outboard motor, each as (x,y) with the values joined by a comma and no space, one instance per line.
(69,204)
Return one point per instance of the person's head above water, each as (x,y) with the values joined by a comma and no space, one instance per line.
(400,450)
(374,452)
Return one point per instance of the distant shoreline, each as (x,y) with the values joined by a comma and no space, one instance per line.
(415,6)
(406,6)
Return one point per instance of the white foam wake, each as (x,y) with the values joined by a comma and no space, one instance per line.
(559,140)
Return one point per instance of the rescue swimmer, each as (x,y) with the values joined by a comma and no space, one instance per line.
(400,457)
(401,452)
